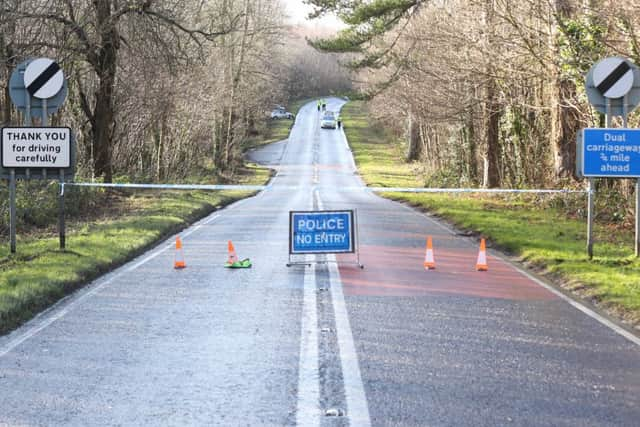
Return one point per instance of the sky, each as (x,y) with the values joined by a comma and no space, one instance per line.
(298,12)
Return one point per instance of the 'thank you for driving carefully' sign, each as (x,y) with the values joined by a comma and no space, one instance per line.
(321,232)
(36,147)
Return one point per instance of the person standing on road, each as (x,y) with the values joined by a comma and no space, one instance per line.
(319,104)
(324,105)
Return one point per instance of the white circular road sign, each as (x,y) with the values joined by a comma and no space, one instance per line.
(613,77)
(43,78)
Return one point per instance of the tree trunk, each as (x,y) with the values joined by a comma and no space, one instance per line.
(492,117)
(104,112)
(564,119)
(492,108)
(102,130)
(472,148)
(415,149)
(564,123)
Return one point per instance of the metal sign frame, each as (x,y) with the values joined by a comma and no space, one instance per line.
(32,106)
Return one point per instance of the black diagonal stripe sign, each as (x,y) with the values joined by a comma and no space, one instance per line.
(43,78)
(613,77)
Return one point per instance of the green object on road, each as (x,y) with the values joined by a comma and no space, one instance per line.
(245,263)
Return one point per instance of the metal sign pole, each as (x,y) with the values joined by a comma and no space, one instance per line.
(44,123)
(625,113)
(12,210)
(61,224)
(638,217)
(27,110)
(592,193)
(357,242)
(45,118)
(590,209)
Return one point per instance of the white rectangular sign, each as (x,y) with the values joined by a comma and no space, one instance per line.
(36,147)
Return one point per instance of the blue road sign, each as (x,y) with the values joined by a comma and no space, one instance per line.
(610,153)
(321,232)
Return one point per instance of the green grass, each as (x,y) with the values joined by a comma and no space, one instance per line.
(376,152)
(276,130)
(40,274)
(539,231)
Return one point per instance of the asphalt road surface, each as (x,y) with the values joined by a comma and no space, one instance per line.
(319,345)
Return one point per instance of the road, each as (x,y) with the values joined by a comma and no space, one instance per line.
(321,345)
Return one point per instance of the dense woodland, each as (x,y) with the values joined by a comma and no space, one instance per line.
(161,88)
(481,92)
(486,92)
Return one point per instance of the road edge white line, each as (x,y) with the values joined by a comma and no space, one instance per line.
(575,304)
(566,298)
(64,306)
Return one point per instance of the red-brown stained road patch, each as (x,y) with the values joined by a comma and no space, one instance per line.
(399,271)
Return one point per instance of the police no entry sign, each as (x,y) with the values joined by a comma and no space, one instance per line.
(33,147)
(321,232)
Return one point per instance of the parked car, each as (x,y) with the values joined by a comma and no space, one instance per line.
(328,120)
(281,113)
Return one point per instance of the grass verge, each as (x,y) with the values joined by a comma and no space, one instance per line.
(537,230)
(40,274)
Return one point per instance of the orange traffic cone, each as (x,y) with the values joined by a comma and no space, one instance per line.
(481,264)
(429,262)
(232,253)
(178,260)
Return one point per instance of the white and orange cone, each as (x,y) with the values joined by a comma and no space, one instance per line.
(429,261)
(178,260)
(481,264)
(233,258)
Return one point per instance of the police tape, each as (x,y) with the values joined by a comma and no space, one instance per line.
(473,190)
(230,187)
(166,186)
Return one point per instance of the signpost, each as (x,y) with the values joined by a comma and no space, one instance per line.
(322,232)
(37,88)
(613,88)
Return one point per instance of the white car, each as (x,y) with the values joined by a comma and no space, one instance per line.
(328,120)
(281,113)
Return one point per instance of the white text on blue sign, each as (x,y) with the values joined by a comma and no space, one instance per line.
(321,232)
(611,153)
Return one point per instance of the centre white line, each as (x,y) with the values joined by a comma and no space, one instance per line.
(357,406)
(308,413)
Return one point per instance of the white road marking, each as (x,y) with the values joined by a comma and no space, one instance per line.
(357,406)
(58,314)
(574,303)
(11,345)
(586,310)
(308,409)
